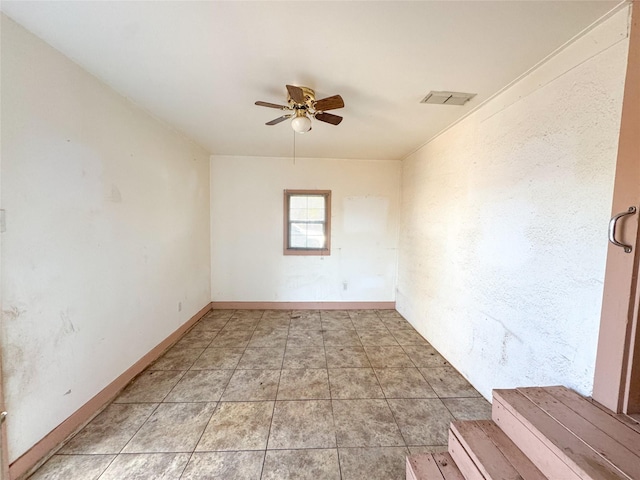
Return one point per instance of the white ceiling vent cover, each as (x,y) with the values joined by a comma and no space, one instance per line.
(448,98)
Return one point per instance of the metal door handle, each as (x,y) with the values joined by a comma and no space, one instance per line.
(612,229)
(3,417)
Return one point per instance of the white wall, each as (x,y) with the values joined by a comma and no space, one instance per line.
(504,220)
(107,230)
(247,230)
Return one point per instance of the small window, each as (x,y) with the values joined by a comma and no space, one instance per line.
(307,222)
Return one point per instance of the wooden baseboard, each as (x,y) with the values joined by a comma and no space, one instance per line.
(46,447)
(303,305)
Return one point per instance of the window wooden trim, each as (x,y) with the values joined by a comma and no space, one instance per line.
(327,213)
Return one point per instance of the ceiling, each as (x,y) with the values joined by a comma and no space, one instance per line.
(200,66)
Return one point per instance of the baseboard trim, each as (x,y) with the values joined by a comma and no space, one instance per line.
(303,305)
(41,451)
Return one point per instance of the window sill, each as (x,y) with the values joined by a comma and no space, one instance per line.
(301,252)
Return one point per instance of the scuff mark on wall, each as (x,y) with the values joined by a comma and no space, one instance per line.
(501,323)
(504,356)
(67,325)
(485,335)
(115,196)
(19,369)
(12,313)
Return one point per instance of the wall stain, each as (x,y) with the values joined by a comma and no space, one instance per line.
(115,196)
(20,370)
(13,313)
(67,325)
(507,335)
(502,325)
(503,350)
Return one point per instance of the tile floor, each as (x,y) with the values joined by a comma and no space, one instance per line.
(252,394)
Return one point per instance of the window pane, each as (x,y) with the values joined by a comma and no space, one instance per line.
(299,229)
(307,207)
(297,201)
(298,241)
(316,214)
(315,242)
(316,201)
(307,235)
(304,228)
(315,229)
(299,214)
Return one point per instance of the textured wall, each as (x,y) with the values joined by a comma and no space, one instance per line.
(247,230)
(504,218)
(107,230)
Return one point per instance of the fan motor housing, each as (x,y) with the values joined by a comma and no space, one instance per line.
(309,96)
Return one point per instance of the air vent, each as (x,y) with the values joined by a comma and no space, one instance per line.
(448,98)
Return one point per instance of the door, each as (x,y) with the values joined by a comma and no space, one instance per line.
(617,375)
(4,456)
(4,460)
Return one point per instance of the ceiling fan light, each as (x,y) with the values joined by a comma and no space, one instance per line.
(301,123)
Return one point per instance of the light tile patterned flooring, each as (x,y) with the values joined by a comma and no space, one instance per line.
(278,395)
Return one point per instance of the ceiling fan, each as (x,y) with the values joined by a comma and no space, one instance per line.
(302,104)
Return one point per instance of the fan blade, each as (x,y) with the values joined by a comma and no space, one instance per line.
(278,120)
(329,103)
(329,118)
(296,94)
(271,105)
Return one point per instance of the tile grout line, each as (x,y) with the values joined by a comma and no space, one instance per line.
(333,415)
(235,368)
(216,407)
(273,411)
(147,419)
(214,410)
(155,409)
(107,467)
(404,440)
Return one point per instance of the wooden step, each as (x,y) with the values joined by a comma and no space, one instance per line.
(566,436)
(632,421)
(432,466)
(482,451)
(616,426)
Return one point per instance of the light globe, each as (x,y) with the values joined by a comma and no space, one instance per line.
(301,123)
